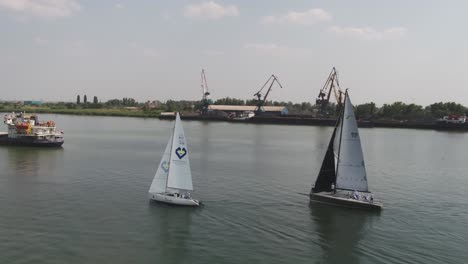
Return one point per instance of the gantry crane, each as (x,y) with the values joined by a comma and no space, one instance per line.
(260,102)
(330,85)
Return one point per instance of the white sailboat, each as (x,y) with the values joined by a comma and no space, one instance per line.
(342,178)
(173,180)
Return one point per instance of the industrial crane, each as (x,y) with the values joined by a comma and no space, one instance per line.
(330,85)
(206,101)
(261,101)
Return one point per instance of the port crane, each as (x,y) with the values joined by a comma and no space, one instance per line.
(260,102)
(206,101)
(330,85)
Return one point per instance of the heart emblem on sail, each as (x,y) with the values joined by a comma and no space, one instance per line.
(165,166)
(181,152)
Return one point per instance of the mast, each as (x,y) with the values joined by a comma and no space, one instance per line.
(341,137)
(172,144)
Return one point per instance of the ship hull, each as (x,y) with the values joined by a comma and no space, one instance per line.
(169,199)
(331,198)
(30,142)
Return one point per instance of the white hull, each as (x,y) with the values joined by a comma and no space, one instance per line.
(171,199)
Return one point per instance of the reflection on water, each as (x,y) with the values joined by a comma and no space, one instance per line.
(205,146)
(25,161)
(340,231)
(174,231)
(87,203)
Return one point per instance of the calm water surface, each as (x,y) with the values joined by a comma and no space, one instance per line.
(87,203)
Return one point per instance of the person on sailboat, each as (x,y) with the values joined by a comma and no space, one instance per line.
(355,195)
(333,188)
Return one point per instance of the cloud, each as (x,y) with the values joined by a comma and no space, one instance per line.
(144,51)
(40,41)
(119,6)
(306,18)
(151,53)
(42,8)
(213,53)
(210,11)
(275,49)
(369,33)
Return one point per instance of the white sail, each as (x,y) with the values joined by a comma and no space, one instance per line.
(180,176)
(160,179)
(351,172)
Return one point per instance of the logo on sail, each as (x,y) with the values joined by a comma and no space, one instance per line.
(181,140)
(165,166)
(181,152)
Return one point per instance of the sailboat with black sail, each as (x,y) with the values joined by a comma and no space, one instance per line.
(173,180)
(342,179)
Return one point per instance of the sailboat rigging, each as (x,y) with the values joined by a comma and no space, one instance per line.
(172,182)
(342,178)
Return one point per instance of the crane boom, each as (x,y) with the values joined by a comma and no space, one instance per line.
(204,84)
(331,84)
(261,101)
(206,101)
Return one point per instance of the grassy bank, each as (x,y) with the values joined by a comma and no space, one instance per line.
(89,112)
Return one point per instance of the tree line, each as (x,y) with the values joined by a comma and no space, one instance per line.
(367,111)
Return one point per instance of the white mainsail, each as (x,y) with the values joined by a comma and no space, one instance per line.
(180,176)
(160,179)
(351,171)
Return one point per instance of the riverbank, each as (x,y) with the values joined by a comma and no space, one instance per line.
(274,120)
(88,111)
(311,121)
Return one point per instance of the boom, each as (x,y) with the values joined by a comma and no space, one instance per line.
(261,101)
(330,85)
(206,101)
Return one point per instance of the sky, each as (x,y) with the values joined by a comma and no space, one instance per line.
(384,51)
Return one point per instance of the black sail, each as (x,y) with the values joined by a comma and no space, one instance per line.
(327,174)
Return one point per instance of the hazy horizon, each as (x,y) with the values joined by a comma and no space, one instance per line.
(384,52)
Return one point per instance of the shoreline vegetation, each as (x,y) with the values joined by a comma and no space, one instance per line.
(129,107)
(88,112)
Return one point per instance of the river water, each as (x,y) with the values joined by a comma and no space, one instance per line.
(87,202)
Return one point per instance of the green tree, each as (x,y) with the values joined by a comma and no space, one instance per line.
(78,99)
(95,100)
(85,99)
(366,111)
(438,110)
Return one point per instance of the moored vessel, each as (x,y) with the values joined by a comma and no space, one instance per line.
(27,130)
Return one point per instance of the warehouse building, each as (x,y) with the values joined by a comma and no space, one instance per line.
(240,109)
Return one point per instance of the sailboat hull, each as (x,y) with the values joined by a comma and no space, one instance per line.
(170,199)
(341,200)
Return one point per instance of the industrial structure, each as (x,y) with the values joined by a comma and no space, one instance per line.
(260,102)
(235,111)
(323,99)
(206,101)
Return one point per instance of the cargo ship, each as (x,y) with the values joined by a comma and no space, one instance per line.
(27,130)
